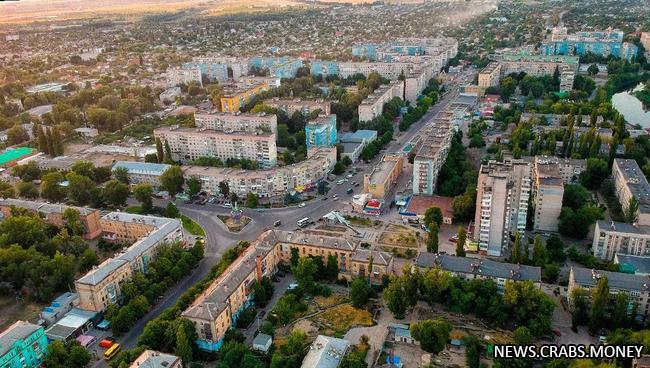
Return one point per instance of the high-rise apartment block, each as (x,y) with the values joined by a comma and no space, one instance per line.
(269,182)
(101,286)
(630,182)
(489,76)
(219,68)
(373,105)
(548,190)
(502,194)
(189,144)
(22,345)
(306,107)
(431,153)
(281,67)
(645,40)
(237,95)
(178,76)
(237,122)
(321,132)
(603,43)
(524,61)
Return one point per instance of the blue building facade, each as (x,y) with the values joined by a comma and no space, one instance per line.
(600,43)
(22,345)
(214,71)
(321,132)
(324,68)
(368,51)
(281,67)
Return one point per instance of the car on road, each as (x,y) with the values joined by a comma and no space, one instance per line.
(324,198)
(335,196)
(292,286)
(340,181)
(301,205)
(106,343)
(349,191)
(454,238)
(277,223)
(349,176)
(227,205)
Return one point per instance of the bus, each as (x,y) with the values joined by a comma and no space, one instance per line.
(112,351)
(304,222)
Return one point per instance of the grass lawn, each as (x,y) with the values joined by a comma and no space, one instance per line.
(191,226)
(136,210)
(342,318)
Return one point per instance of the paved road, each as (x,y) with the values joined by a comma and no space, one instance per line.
(218,239)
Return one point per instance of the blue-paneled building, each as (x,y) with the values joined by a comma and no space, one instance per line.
(324,68)
(321,132)
(281,67)
(22,345)
(603,43)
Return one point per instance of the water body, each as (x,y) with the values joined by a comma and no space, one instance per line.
(631,108)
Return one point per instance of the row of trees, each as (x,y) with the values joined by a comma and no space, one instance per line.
(428,98)
(520,304)
(141,292)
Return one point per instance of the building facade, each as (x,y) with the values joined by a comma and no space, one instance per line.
(306,107)
(635,286)
(156,359)
(373,105)
(237,122)
(383,177)
(611,238)
(178,76)
(142,172)
(53,213)
(239,94)
(502,194)
(22,345)
(219,68)
(189,144)
(431,153)
(321,132)
(602,43)
(489,76)
(630,182)
(548,191)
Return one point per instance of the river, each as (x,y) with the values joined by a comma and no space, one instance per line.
(631,108)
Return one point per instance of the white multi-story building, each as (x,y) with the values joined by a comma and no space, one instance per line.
(237,122)
(502,194)
(219,68)
(548,190)
(612,237)
(630,182)
(271,182)
(188,144)
(142,172)
(306,107)
(432,153)
(177,76)
(373,105)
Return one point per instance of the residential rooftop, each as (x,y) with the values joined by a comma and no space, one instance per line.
(325,352)
(484,267)
(154,359)
(142,168)
(44,207)
(587,277)
(636,182)
(640,264)
(14,333)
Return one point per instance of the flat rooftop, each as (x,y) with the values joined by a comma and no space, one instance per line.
(44,207)
(483,267)
(381,172)
(616,280)
(635,181)
(14,333)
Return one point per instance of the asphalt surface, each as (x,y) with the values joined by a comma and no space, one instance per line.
(218,239)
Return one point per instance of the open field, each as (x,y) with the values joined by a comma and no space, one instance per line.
(340,319)
(12,310)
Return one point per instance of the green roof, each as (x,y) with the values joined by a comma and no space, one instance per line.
(626,268)
(15,154)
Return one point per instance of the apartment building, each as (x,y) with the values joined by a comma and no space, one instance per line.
(523,60)
(548,191)
(414,83)
(239,94)
(636,287)
(645,40)
(237,122)
(22,345)
(326,352)
(101,286)
(489,76)
(373,105)
(53,214)
(269,182)
(383,177)
(637,265)
(443,48)
(502,194)
(178,76)
(611,238)
(220,305)
(630,182)
(431,153)
(281,67)
(306,107)
(480,268)
(603,43)
(156,359)
(321,132)
(142,172)
(219,68)
(188,144)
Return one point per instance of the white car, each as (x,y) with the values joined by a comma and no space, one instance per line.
(301,205)
(341,181)
(227,205)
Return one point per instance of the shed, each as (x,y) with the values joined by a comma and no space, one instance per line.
(262,342)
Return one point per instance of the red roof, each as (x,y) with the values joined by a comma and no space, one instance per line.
(420,204)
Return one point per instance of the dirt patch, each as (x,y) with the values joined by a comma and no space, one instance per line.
(332,228)
(334,299)
(339,320)
(232,225)
(12,310)
(402,239)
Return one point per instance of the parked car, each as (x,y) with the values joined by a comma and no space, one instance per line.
(227,205)
(302,204)
(105,343)
(277,223)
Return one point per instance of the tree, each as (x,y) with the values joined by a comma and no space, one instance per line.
(600,300)
(539,252)
(632,211)
(346,161)
(595,173)
(433,214)
(575,196)
(339,168)
(291,353)
(73,223)
(252,200)
(85,168)
(80,188)
(579,307)
(619,314)
(322,187)
(183,347)
(460,244)
(432,334)
(168,154)
(516,255)
(193,186)
(172,211)
(68,355)
(593,69)
(88,259)
(432,238)
(332,268)
(27,190)
(51,188)
(305,274)
(121,174)
(522,336)
(6,190)
(360,292)
(396,298)
(159,150)
(508,87)
(143,193)
(17,134)
(172,180)
(224,189)
(27,172)
(472,351)
(116,193)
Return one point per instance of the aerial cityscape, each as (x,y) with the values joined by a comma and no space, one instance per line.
(324,183)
